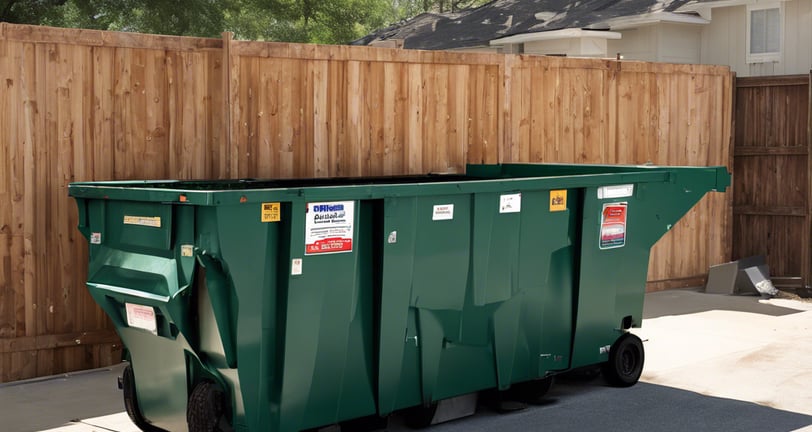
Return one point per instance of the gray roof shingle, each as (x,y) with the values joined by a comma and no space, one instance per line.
(501,18)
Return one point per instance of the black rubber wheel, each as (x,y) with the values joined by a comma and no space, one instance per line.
(131,402)
(532,392)
(625,364)
(206,409)
(420,417)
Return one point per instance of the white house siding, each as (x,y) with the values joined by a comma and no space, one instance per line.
(679,43)
(670,43)
(724,41)
(636,44)
(798,37)
(572,47)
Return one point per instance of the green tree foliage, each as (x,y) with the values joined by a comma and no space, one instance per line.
(410,8)
(319,21)
(28,11)
(184,17)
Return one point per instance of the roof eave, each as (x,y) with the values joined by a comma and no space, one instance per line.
(697,6)
(570,33)
(623,23)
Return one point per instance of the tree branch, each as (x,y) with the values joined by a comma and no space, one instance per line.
(4,16)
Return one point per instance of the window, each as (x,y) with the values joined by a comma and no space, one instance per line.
(764,24)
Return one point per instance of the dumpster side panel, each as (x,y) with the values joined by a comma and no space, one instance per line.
(495,257)
(515,318)
(612,276)
(615,254)
(398,355)
(328,328)
(441,255)
(249,252)
(140,271)
(159,368)
(558,228)
(426,267)
(491,315)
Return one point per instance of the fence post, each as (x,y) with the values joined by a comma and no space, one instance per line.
(227,167)
(807,264)
(731,95)
(504,148)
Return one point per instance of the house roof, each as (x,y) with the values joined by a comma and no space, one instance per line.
(504,18)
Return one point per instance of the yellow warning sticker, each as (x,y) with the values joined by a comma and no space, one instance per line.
(271,212)
(558,200)
(154,222)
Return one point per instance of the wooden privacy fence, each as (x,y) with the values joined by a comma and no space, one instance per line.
(86,105)
(772,213)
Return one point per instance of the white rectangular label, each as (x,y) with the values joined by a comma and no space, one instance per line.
(510,203)
(142,317)
(95,238)
(296,267)
(329,227)
(619,191)
(443,212)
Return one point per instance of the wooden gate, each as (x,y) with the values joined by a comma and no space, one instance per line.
(772,210)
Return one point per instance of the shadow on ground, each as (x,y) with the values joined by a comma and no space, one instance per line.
(689,301)
(47,403)
(591,405)
(575,403)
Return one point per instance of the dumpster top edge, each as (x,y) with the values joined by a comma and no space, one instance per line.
(479,178)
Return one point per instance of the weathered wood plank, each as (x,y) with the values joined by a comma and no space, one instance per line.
(772,81)
(37,343)
(770,151)
(806,240)
(84,37)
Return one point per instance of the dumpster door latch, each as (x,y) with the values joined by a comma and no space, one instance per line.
(412,338)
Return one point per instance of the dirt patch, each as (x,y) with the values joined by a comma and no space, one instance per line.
(792,296)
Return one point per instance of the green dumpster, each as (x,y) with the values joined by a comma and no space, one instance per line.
(285,305)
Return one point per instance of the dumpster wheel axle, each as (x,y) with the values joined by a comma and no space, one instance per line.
(626,358)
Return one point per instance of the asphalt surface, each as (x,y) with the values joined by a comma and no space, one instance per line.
(47,403)
(577,405)
(91,402)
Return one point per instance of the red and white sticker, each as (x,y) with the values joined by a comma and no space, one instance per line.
(613,226)
(329,227)
(142,317)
